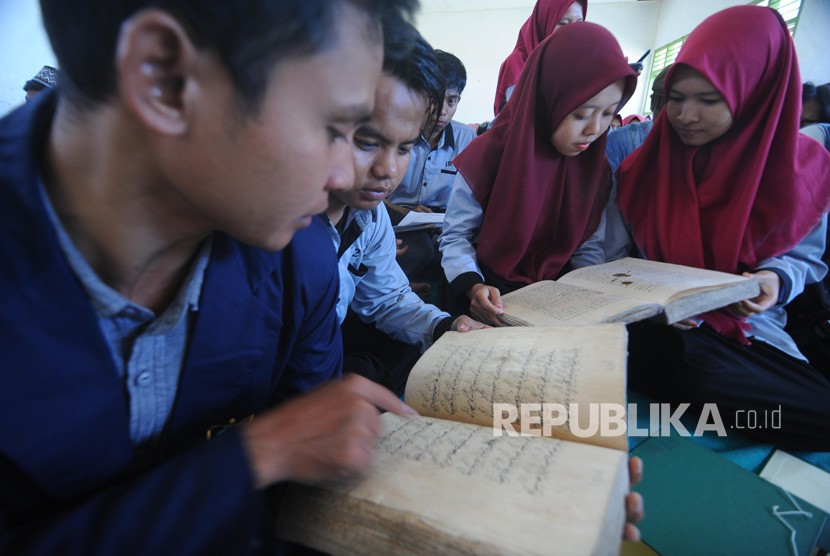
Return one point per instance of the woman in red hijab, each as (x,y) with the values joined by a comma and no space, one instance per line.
(547,16)
(633,118)
(726,182)
(532,190)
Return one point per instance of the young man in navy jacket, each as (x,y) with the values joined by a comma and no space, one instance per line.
(151,293)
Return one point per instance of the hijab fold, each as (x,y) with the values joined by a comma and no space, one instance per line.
(540,205)
(751,194)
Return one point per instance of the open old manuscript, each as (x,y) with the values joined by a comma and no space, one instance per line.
(626,290)
(448,483)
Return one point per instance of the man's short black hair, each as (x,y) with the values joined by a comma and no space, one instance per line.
(453,70)
(821,94)
(248,36)
(414,63)
(808,91)
(658,90)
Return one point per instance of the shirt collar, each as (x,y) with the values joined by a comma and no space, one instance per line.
(449,138)
(107,302)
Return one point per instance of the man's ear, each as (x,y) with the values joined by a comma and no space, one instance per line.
(154,60)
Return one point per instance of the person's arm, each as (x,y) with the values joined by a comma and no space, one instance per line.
(399,210)
(462,223)
(208,500)
(592,250)
(801,265)
(329,433)
(326,435)
(198,502)
(820,132)
(783,277)
(617,241)
(383,295)
(327,427)
(311,284)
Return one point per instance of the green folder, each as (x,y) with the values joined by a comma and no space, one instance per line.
(697,502)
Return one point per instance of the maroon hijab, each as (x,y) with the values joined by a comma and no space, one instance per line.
(539,205)
(753,193)
(633,119)
(541,23)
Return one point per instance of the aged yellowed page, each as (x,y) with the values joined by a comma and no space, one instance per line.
(443,487)
(627,290)
(650,280)
(556,303)
(580,368)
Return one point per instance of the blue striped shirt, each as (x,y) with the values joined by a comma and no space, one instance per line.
(147,349)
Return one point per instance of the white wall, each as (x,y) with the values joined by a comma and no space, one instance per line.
(482,37)
(24,49)
(811,41)
(480,32)
(634,24)
(678,18)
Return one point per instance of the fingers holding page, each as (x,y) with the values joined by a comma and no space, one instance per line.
(485,304)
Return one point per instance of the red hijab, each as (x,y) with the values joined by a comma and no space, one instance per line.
(633,119)
(541,23)
(539,205)
(753,193)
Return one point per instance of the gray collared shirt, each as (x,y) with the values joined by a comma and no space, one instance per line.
(147,349)
(373,285)
(430,174)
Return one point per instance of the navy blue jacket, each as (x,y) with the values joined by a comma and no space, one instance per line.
(70,480)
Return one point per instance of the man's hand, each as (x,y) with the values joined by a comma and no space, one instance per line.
(422,208)
(397,208)
(633,501)
(485,304)
(687,324)
(400,248)
(328,434)
(465,324)
(770,287)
